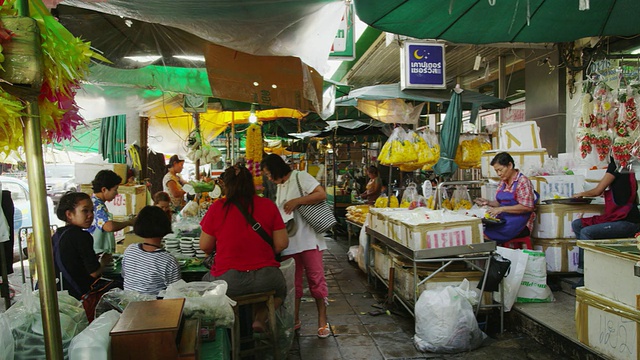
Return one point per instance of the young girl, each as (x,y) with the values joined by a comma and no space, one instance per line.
(162,200)
(76,264)
(146,267)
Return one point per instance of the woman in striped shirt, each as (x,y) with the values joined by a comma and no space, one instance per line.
(146,267)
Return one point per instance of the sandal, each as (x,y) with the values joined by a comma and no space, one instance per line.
(324,331)
(298,325)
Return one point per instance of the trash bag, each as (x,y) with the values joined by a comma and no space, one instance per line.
(445,322)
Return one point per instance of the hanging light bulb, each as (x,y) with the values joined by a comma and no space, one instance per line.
(252,114)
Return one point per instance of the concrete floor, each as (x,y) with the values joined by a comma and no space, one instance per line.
(358,335)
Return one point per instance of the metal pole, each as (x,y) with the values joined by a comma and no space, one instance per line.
(42,233)
(144,148)
(196,123)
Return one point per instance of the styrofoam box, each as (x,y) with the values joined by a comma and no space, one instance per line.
(129,201)
(561,254)
(520,136)
(561,185)
(379,217)
(525,161)
(606,325)
(554,221)
(403,281)
(85,173)
(609,272)
(439,235)
(381,261)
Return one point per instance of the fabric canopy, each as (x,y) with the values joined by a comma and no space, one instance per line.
(484,22)
(393,91)
(449,136)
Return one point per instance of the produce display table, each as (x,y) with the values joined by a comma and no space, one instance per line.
(468,254)
(189,273)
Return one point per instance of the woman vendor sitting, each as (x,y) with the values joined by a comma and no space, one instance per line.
(515,202)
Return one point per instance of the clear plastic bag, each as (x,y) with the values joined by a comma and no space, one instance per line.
(118,299)
(409,195)
(398,149)
(445,322)
(469,153)
(25,323)
(433,155)
(461,200)
(203,299)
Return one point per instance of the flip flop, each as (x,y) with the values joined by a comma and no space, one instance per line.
(324,331)
(298,325)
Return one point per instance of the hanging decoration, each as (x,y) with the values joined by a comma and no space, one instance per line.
(253,153)
(66,62)
(200,150)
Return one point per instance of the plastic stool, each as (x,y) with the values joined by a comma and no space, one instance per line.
(517,243)
(253,299)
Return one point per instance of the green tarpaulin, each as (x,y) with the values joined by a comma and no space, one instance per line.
(494,21)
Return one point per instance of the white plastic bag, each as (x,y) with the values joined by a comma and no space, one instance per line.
(6,338)
(352,254)
(445,322)
(203,299)
(511,282)
(533,287)
(94,342)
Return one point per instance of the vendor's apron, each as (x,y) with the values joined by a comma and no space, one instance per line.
(612,211)
(514,223)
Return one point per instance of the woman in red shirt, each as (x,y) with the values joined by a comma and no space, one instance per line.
(242,257)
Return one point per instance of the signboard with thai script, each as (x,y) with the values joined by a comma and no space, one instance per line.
(422,66)
(344,44)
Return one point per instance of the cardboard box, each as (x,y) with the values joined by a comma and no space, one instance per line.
(129,201)
(85,173)
(609,271)
(554,221)
(561,254)
(520,136)
(606,325)
(525,160)
(561,185)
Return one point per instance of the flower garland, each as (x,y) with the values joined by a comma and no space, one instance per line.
(66,62)
(253,153)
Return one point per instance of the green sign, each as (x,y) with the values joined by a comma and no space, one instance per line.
(344,44)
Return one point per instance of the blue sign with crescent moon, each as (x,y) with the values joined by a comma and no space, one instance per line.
(423,66)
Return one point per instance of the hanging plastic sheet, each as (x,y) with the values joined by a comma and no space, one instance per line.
(391,111)
(305,29)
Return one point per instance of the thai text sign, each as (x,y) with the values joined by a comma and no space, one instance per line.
(422,66)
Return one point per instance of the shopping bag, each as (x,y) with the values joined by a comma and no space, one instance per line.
(498,269)
(320,216)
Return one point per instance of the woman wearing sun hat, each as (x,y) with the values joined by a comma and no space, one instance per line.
(172,183)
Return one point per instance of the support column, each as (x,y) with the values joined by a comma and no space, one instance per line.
(42,233)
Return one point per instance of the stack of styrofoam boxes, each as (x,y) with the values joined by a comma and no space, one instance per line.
(522,141)
(608,306)
(428,229)
(405,284)
(552,233)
